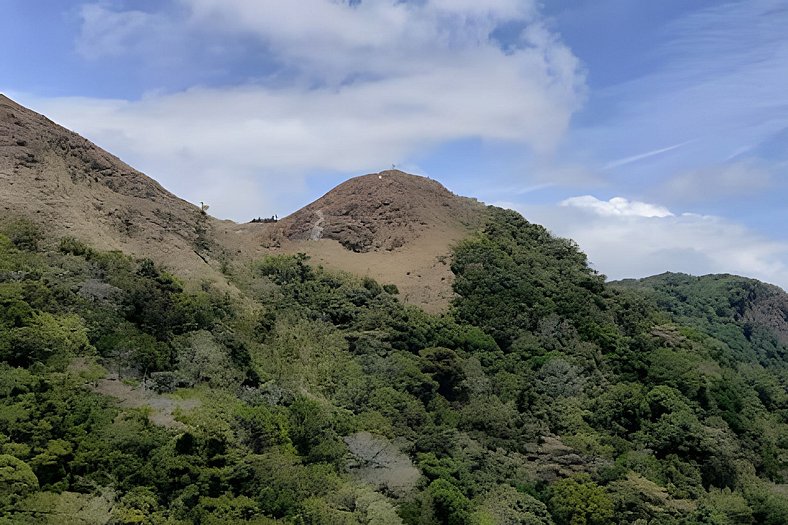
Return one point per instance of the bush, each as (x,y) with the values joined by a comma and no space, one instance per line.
(579,501)
(16,479)
(450,506)
(24,234)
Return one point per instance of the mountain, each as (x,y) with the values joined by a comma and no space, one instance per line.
(748,315)
(381,211)
(394,227)
(294,385)
(71,187)
(391,226)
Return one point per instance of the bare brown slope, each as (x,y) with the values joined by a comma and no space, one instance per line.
(71,187)
(380,211)
(394,227)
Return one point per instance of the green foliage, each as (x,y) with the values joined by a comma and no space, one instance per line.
(726,307)
(286,269)
(16,480)
(597,405)
(507,506)
(23,233)
(580,501)
(43,337)
(515,273)
(445,367)
(450,506)
(261,427)
(724,507)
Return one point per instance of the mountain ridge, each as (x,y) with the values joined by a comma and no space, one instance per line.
(391,226)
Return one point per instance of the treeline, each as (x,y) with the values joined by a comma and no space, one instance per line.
(544,396)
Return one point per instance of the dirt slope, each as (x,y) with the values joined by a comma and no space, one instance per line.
(380,211)
(394,227)
(71,187)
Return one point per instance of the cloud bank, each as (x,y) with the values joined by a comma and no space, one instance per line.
(626,238)
(354,87)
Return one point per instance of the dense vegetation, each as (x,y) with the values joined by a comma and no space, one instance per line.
(305,396)
(741,312)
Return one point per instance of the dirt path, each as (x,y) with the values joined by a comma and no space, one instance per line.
(317,230)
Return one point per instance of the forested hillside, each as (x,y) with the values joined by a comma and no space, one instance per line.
(751,317)
(542,396)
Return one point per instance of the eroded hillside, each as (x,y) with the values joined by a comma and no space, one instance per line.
(391,226)
(71,187)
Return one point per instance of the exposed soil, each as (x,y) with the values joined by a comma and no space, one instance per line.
(394,227)
(380,211)
(71,187)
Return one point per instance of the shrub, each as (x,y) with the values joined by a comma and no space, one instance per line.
(24,233)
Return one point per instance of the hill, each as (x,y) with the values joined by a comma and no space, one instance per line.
(313,394)
(381,211)
(391,226)
(748,315)
(70,187)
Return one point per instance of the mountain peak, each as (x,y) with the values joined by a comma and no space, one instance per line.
(390,225)
(380,211)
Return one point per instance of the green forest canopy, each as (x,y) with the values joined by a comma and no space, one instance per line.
(543,396)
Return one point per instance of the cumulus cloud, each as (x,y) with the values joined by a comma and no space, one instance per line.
(617,206)
(652,240)
(354,86)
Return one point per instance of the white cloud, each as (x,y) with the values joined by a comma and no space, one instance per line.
(617,206)
(638,244)
(358,86)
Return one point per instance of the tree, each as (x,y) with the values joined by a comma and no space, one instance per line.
(446,368)
(580,501)
(16,480)
(505,505)
(451,507)
(24,233)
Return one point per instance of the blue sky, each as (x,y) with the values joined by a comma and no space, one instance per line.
(652,133)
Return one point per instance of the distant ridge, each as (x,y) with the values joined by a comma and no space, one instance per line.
(748,304)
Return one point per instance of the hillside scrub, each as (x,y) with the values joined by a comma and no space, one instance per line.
(543,396)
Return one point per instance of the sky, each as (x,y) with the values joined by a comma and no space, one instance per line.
(654,134)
